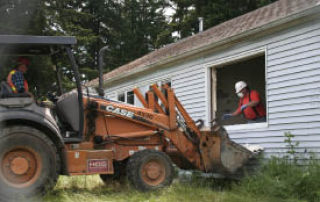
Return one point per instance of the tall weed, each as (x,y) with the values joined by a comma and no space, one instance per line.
(285,178)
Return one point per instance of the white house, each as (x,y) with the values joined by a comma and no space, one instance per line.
(276,49)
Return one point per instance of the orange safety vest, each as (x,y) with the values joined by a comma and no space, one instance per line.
(13,87)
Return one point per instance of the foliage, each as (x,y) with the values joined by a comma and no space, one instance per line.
(291,145)
(22,17)
(91,188)
(130,29)
(140,28)
(283,179)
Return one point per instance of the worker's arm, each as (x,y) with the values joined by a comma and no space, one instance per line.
(26,86)
(253,103)
(255,100)
(235,113)
(9,81)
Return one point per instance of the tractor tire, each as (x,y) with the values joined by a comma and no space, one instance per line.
(29,163)
(149,170)
(118,175)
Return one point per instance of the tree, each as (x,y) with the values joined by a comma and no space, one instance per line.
(21,17)
(140,27)
(25,18)
(129,28)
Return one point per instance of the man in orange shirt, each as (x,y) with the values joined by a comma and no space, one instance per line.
(16,79)
(249,104)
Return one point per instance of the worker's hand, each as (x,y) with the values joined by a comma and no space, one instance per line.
(243,107)
(226,116)
(14,90)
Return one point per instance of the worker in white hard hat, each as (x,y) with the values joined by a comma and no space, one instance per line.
(249,104)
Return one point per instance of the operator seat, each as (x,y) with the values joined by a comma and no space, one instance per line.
(68,110)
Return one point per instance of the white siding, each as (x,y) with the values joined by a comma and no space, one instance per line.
(111,95)
(292,87)
(189,85)
(293,92)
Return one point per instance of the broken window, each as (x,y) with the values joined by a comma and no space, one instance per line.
(251,70)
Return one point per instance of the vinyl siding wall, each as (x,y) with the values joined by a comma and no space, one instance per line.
(292,87)
(293,93)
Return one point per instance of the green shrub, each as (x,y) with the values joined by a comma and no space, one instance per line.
(284,177)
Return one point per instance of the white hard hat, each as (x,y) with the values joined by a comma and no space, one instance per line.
(240,85)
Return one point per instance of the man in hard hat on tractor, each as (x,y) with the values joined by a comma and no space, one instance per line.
(249,104)
(16,80)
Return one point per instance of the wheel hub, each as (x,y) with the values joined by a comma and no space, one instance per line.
(153,172)
(19,165)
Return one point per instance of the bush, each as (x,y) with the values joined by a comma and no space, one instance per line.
(284,178)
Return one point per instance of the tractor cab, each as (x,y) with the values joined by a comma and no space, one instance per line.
(64,112)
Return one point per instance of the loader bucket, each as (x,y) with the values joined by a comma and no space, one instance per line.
(220,154)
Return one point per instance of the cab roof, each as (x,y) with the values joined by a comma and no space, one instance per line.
(32,45)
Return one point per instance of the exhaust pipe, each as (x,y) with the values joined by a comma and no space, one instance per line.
(101,64)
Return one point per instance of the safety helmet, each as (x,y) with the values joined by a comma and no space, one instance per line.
(240,85)
(23,61)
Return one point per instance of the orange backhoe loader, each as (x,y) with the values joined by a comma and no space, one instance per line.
(84,133)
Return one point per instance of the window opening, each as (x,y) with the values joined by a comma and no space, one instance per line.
(224,77)
(130,97)
(121,97)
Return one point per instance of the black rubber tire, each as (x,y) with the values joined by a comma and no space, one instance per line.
(30,139)
(119,174)
(136,163)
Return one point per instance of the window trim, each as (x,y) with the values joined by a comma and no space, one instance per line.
(250,126)
(211,66)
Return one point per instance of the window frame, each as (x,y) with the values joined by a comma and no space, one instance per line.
(127,95)
(122,94)
(211,98)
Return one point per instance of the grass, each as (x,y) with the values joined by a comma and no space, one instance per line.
(90,188)
(279,180)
